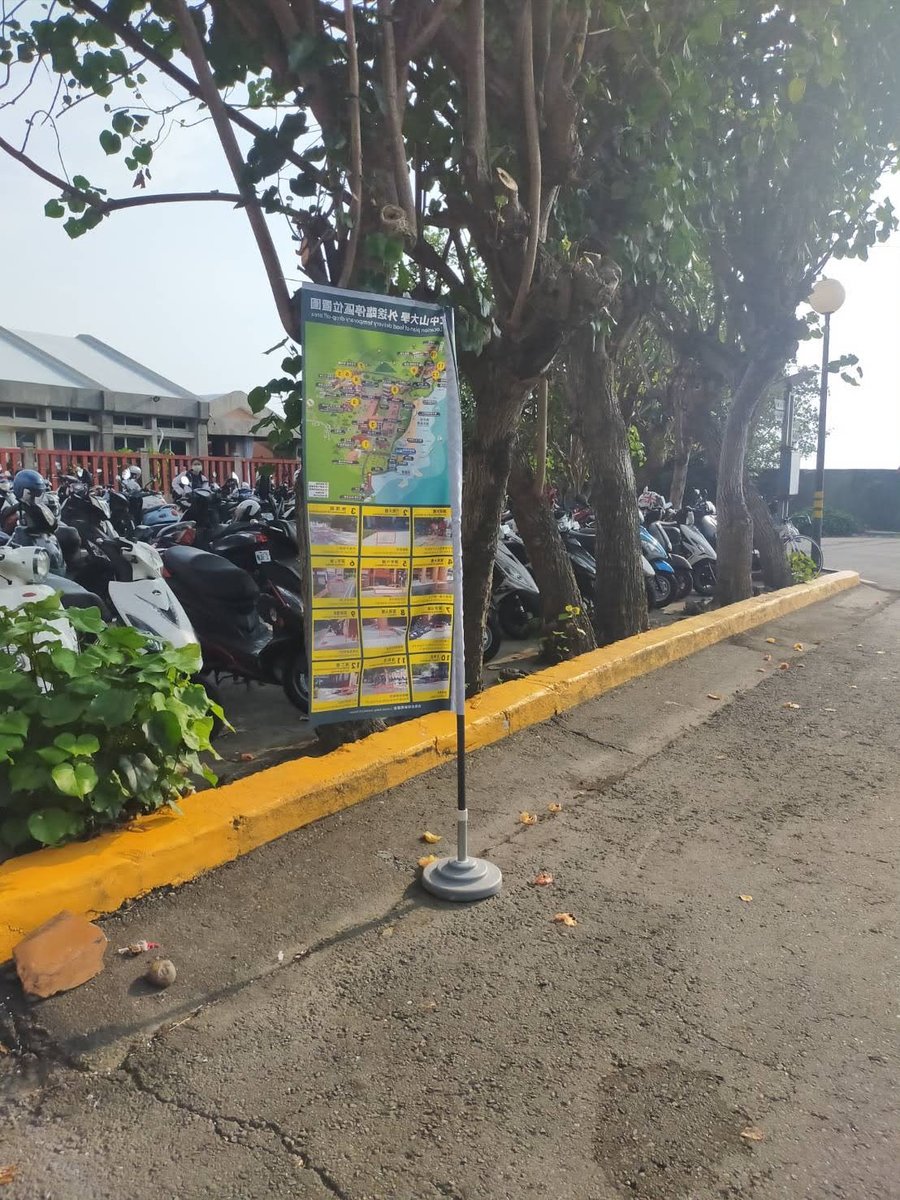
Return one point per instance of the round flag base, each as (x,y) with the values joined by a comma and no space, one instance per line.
(466,879)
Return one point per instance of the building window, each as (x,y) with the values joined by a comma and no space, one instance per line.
(19,411)
(169,445)
(173,423)
(60,414)
(129,443)
(72,441)
(130,422)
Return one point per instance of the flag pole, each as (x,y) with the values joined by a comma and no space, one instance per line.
(462,878)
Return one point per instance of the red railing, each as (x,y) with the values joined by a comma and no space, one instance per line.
(159,470)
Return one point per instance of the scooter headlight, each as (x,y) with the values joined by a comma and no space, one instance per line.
(40,564)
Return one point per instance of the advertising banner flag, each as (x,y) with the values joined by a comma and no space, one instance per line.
(382,472)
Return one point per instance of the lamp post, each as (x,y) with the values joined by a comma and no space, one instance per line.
(826,298)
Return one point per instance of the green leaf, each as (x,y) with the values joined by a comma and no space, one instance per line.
(113,708)
(122,123)
(81,746)
(8,747)
(796,89)
(65,660)
(53,208)
(12,722)
(75,779)
(63,709)
(258,399)
(143,154)
(50,826)
(111,142)
(52,755)
(164,730)
(28,777)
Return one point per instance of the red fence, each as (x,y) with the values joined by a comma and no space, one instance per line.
(158,469)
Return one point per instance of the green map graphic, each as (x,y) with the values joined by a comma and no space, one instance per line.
(376,419)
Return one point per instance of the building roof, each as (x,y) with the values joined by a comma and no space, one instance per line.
(81,362)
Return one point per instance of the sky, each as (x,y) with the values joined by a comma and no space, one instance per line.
(181,287)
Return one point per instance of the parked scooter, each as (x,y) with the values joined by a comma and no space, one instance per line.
(25,579)
(662,589)
(515,596)
(242,633)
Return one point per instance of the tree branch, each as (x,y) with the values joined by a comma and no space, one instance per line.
(104,204)
(193,48)
(533,145)
(394,113)
(355,148)
(133,39)
(476,93)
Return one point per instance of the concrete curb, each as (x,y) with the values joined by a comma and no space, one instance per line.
(216,827)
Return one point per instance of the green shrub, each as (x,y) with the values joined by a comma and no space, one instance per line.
(803,568)
(835,522)
(90,739)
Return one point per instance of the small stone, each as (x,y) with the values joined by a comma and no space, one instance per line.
(59,955)
(161,973)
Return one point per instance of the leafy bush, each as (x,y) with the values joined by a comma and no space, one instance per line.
(90,739)
(803,569)
(835,522)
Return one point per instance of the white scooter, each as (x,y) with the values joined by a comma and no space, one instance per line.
(139,594)
(23,574)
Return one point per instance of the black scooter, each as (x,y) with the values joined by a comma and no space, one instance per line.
(242,632)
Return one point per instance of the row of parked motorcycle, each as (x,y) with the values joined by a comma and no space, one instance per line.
(218,566)
(678,557)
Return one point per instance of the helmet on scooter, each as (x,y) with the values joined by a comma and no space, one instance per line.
(247,510)
(28,484)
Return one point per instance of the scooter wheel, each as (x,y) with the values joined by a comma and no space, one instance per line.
(684,583)
(493,636)
(295,682)
(660,590)
(705,579)
(517,613)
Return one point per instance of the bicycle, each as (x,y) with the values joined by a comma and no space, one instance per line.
(803,554)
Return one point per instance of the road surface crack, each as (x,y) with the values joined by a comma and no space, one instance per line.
(220,1122)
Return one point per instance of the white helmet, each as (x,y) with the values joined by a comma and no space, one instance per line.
(248,510)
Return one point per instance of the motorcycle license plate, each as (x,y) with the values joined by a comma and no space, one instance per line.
(263,556)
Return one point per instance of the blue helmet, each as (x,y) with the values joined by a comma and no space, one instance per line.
(28,481)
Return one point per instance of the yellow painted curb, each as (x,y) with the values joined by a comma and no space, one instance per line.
(96,877)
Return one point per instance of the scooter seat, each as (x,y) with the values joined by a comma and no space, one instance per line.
(204,572)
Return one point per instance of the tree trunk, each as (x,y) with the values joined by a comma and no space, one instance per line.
(550,563)
(499,397)
(682,454)
(620,597)
(776,570)
(734,546)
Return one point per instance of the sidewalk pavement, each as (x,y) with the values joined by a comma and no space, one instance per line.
(335,1033)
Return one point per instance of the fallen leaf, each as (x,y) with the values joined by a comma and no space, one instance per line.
(280,956)
(428,1005)
(881,651)
(746,899)
(564,919)
(854,687)
(713,696)
(772,641)
(542,879)
(829,710)
(784,666)
(554,808)
(301,954)
(752,1134)
(4,1049)
(527,818)
(767,658)
(431,838)
(245,757)
(762,670)
(798,645)
(790,704)
(387,932)
(427,859)
(8,1173)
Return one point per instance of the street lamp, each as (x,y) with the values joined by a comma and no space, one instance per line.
(826,298)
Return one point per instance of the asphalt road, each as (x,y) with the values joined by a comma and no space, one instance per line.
(876,558)
(333,1032)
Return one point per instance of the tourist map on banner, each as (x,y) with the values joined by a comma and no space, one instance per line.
(376,469)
